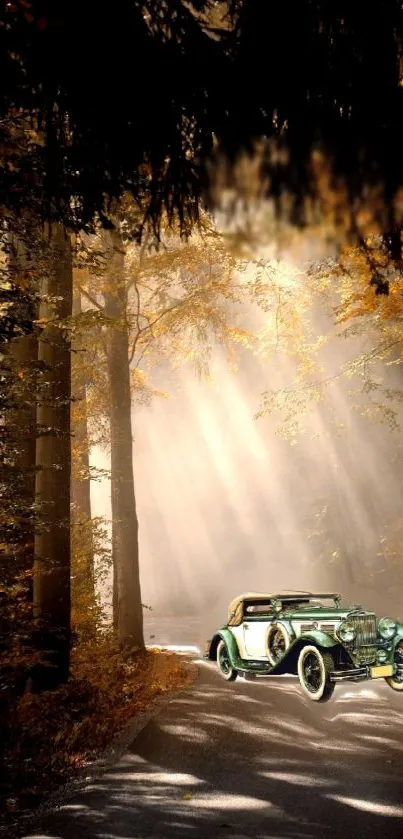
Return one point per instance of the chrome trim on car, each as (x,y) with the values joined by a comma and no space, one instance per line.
(356,675)
(329,627)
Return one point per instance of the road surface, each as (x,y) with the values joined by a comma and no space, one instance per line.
(251,759)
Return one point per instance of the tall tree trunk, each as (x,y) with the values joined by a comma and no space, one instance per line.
(19,447)
(127,598)
(80,476)
(115,607)
(23,352)
(53,458)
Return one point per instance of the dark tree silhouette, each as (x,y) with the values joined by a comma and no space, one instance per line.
(330,74)
(136,128)
(131,98)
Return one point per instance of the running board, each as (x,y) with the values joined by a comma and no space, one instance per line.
(255,667)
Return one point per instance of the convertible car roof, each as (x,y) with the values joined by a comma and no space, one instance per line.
(235,607)
(283,595)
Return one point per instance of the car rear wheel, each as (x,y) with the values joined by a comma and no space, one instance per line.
(314,668)
(225,667)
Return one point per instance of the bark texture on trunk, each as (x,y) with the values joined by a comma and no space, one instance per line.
(115,609)
(19,444)
(128,610)
(80,475)
(22,421)
(53,458)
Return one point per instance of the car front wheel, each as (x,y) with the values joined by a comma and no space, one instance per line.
(225,667)
(314,668)
(395,684)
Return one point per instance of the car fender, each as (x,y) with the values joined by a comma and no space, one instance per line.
(314,636)
(226,635)
(288,663)
(320,639)
(399,635)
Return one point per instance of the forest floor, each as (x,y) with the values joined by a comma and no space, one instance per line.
(48,739)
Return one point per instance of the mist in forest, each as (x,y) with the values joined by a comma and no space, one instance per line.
(226,505)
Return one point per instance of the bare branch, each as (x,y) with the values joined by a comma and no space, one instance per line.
(141,254)
(163,314)
(137,316)
(143,352)
(90,298)
(150,325)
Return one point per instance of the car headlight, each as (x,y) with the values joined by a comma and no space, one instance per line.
(387,628)
(346,631)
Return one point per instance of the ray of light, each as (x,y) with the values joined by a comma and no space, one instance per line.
(226,505)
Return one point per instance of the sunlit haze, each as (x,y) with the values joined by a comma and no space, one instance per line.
(225,504)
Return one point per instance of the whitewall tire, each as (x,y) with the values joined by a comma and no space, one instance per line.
(394,683)
(314,668)
(227,671)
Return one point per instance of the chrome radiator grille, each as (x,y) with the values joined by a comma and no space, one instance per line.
(365,628)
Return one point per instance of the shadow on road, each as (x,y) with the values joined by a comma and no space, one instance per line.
(255,760)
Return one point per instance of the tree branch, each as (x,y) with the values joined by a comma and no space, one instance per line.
(91,298)
(150,325)
(137,316)
(143,352)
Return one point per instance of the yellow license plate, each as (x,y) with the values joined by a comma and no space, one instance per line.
(382,671)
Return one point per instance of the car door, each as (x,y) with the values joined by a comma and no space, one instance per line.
(255,632)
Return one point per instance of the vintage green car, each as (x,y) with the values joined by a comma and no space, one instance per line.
(313,636)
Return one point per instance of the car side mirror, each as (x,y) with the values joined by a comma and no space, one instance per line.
(277,606)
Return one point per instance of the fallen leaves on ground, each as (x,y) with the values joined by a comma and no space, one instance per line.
(45,738)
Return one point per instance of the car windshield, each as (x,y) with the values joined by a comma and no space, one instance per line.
(309,604)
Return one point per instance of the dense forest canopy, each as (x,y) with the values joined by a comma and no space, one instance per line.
(140,97)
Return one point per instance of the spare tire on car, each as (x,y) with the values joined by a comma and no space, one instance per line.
(278,641)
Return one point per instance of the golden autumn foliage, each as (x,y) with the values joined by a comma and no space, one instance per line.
(289,336)
(181,298)
(363,294)
(365,283)
(65,730)
(89,540)
(357,297)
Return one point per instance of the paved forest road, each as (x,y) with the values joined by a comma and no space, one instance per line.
(251,759)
